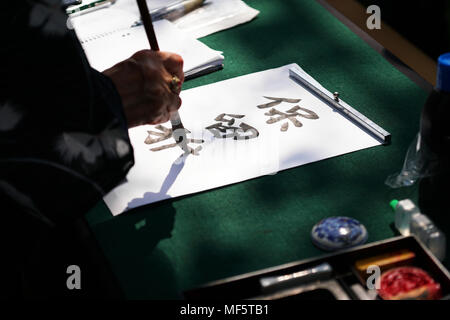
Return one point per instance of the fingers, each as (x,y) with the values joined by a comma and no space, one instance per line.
(173,64)
(172,107)
(175,105)
(162,118)
(170,65)
(172,103)
(145,84)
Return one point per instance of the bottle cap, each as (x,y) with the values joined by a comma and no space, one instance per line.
(443,73)
(393,204)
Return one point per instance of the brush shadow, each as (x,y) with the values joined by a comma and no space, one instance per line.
(170,179)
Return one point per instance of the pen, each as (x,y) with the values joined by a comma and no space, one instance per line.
(173,11)
(178,131)
(275,283)
(95,5)
(69,3)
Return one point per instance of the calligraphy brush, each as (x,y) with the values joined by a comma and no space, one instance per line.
(178,131)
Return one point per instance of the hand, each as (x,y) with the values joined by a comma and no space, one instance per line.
(144,84)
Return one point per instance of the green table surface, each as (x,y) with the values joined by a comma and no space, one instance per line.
(160,250)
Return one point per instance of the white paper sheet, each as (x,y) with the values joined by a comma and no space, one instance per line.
(102,22)
(158,175)
(105,50)
(213,16)
(106,20)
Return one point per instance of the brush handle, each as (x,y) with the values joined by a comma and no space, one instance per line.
(148,26)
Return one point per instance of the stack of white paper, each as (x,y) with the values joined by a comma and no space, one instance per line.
(108,38)
(215,16)
(291,127)
(211,17)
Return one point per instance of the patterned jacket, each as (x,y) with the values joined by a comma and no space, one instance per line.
(63,134)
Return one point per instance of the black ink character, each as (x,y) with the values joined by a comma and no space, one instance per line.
(290,114)
(221,131)
(154,137)
(277,101)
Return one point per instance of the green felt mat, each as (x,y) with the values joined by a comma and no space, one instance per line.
(162,249)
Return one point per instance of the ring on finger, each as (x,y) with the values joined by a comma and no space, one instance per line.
(175,85)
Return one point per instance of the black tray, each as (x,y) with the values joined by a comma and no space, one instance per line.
(247,286)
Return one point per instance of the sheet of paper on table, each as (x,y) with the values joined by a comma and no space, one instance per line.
(120,15)
(320,133)
(213,16)
(114,41)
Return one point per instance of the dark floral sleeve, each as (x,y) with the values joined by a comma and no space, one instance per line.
(63,134)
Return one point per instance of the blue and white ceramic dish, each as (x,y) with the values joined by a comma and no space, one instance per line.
(337,233)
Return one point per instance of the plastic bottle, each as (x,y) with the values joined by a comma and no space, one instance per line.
(409,220)
(404,210)
(435,136)
(434,128)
